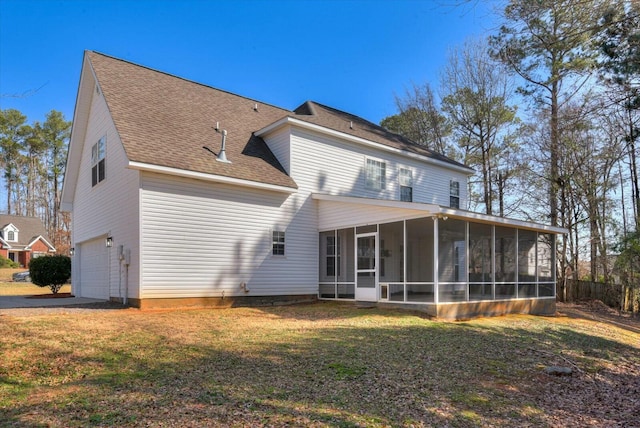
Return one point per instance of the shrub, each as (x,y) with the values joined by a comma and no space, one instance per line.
(50,271)
(6,263)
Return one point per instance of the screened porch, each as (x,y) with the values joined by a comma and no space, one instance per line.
(436,259)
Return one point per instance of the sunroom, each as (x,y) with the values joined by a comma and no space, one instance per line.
(449,263)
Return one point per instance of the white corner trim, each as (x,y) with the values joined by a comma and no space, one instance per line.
(140,166)
(337,134)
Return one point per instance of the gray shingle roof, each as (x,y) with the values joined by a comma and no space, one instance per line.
(341,121)
(29,229)
(165,120)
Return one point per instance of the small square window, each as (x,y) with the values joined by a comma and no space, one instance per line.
(375,175)
(454,194)
(278,243)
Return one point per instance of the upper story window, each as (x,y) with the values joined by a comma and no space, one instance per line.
(9,233)
(454,194)
(406,184)
(375,175)
(277,243)
(98,152)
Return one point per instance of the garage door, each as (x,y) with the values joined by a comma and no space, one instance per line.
(94,269)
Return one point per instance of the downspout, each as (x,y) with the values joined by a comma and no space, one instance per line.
(127,261)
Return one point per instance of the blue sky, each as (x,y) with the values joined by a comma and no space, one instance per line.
(351,55)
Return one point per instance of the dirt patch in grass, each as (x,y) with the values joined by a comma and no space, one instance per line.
(324,364)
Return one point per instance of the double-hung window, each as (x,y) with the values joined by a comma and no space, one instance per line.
(405,178)
(375,175)
(277,243)
(98,152)
(454,194)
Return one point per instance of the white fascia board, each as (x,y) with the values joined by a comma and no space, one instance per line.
(5,243)
(485,218)
(78,132)
(358,140)
(437,210)
(140,166)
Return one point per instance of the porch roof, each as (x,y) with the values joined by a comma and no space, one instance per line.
(360,211)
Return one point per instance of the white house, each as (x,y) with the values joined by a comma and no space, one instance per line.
(182,194)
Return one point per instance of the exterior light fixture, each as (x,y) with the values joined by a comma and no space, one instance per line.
(72,251)
(109,241)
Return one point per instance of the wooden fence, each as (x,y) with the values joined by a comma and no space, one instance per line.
(587,290)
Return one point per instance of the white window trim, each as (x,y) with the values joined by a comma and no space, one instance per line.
(451,194)
(273,242)
(96,161)
(383,186)
(7,230)
(401,185)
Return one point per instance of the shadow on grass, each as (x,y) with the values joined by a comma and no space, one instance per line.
(411,372)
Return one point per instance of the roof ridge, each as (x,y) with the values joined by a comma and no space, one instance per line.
(189,80)
(342,112)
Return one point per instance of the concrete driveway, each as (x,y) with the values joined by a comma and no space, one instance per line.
(13,302)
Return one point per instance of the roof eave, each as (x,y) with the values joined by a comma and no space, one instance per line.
(442,212)
(78,132)
(141,166)
(291,121)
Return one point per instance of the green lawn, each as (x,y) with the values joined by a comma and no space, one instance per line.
(324,364)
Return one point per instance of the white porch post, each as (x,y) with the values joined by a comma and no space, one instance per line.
(435,259)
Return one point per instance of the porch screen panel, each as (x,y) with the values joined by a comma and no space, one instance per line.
(452,265)
(328,264)
(546,265)
(420,272)
(480,262)
(527,256)
(506,258)
(346,262)
(391,268)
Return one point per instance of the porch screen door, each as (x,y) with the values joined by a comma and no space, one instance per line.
(366,267)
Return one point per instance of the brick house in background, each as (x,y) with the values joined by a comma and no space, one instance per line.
(23,238)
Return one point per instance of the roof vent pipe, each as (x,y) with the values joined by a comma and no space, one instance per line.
(222,156)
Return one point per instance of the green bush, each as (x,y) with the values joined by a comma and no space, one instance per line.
(8,264)
(50,271)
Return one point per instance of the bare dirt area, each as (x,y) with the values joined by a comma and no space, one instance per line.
(597,311)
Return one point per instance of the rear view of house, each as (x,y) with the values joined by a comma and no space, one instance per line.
(183,194)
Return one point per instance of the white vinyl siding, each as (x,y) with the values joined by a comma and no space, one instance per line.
(326,165)
(206,240)
(280,146)
(110,208)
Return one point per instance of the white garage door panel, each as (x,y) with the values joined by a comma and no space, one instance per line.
(94,269)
